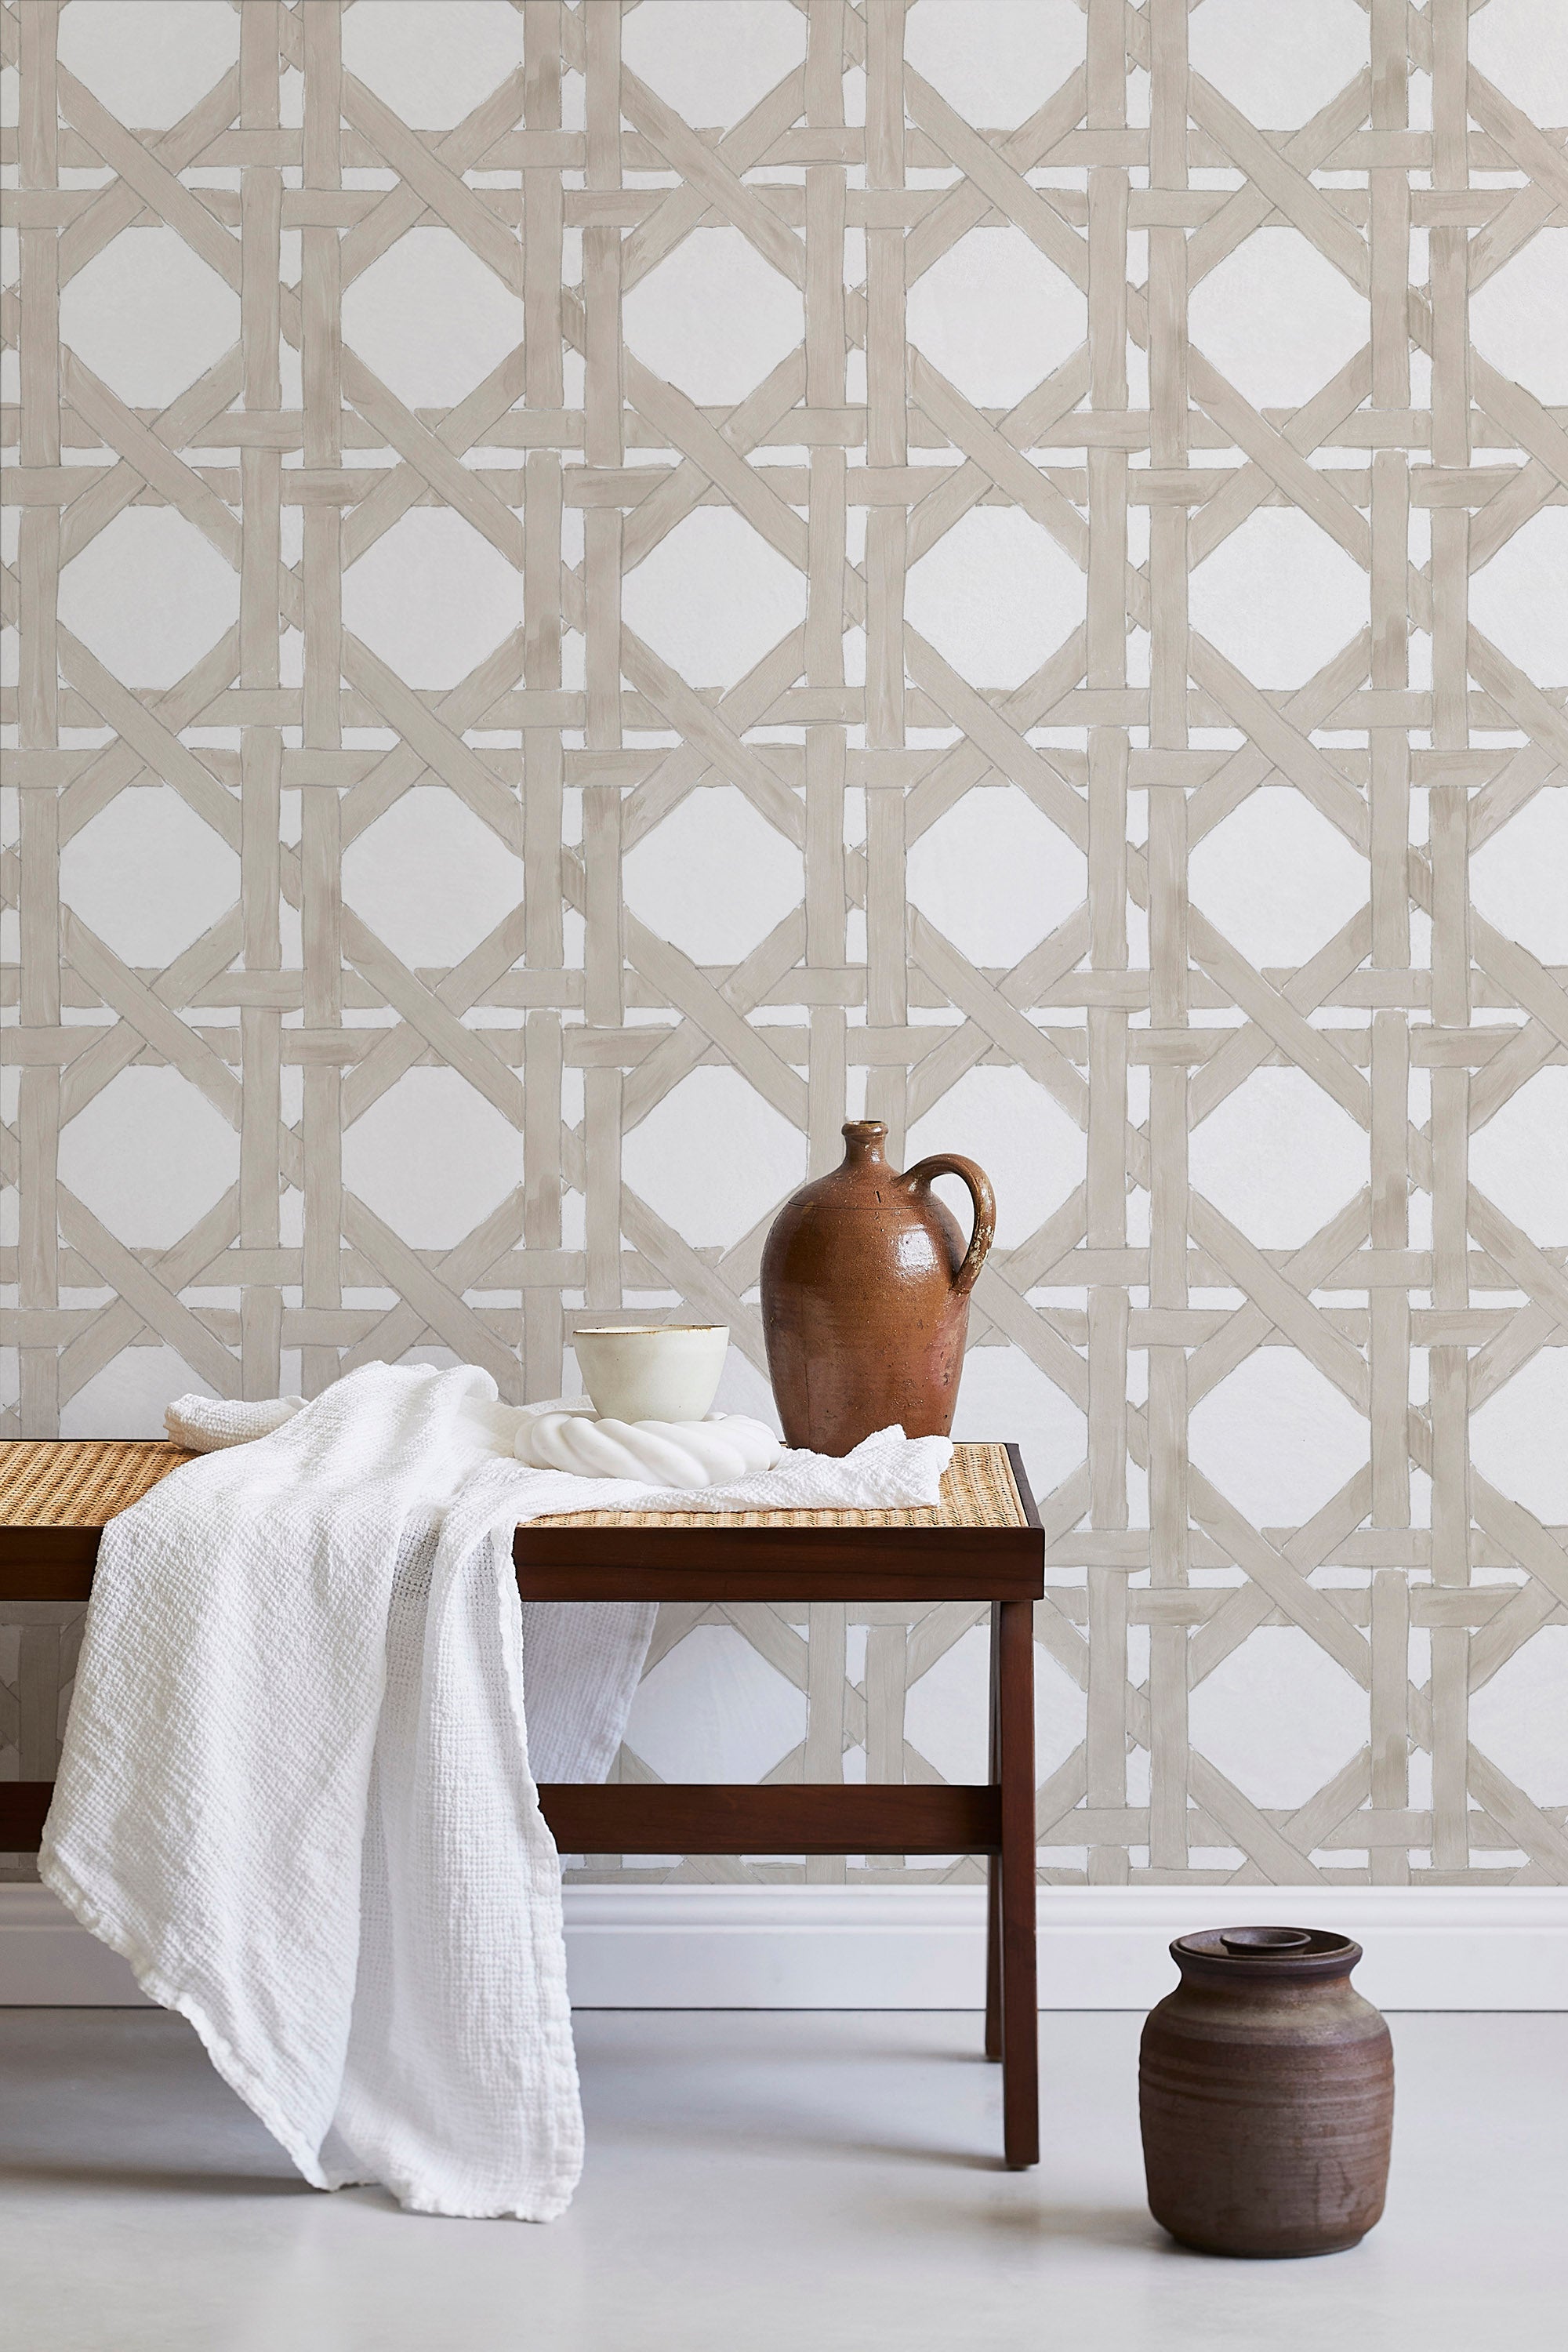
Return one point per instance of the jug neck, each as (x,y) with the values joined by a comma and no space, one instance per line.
(863,1141)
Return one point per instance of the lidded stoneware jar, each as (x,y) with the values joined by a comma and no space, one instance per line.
(1265,2092)
(866,1283)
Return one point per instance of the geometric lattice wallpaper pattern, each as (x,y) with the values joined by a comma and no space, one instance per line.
(595,588)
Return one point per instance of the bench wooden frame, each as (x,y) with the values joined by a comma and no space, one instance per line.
(723,1561)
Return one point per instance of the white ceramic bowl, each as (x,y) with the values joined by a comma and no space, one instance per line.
(661,1372)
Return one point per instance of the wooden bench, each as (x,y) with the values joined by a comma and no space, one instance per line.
(982,1543)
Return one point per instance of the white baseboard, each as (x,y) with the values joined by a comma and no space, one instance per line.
(922,1947)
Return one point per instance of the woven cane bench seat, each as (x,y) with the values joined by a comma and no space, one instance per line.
(978,1490)
(78,1482)
(86,1482)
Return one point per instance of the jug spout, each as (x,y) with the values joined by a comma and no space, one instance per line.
(864,1140)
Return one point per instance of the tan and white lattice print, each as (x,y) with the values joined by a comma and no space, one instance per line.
(596,589)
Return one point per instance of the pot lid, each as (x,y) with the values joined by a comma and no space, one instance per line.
(1314,1951)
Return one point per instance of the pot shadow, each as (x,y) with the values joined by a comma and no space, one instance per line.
(1119,2227)
(904,2152)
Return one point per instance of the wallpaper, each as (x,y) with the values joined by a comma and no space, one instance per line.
(592,590)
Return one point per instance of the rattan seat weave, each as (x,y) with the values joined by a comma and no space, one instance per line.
(80,1482)
(83,1481)
(977,1491)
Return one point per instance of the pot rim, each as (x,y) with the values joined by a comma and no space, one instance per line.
(1222,1952)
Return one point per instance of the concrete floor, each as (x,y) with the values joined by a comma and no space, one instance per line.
(764,2183)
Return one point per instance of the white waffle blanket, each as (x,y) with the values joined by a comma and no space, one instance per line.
(296,1788)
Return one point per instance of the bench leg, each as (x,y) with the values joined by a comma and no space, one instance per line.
(993,1957)
(994,1870)
(1015,1868)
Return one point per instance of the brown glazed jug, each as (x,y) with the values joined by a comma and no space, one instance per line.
(1265,2092)
(866,1283)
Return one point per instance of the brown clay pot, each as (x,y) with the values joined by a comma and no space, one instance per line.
(866,1283)
(1266,2090)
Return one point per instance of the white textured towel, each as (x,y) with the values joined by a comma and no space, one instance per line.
(296,1790)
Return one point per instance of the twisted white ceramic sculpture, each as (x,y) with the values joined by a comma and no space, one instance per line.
(661,1452)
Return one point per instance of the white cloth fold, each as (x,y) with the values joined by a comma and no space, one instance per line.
(684,1454)
(296,1788)
(208,1423)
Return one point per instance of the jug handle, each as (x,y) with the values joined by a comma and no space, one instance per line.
(949,1164)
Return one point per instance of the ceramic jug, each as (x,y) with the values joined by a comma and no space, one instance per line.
(1265,2092)
(866,1283)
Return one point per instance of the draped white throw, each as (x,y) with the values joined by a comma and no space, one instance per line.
(296,1790)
